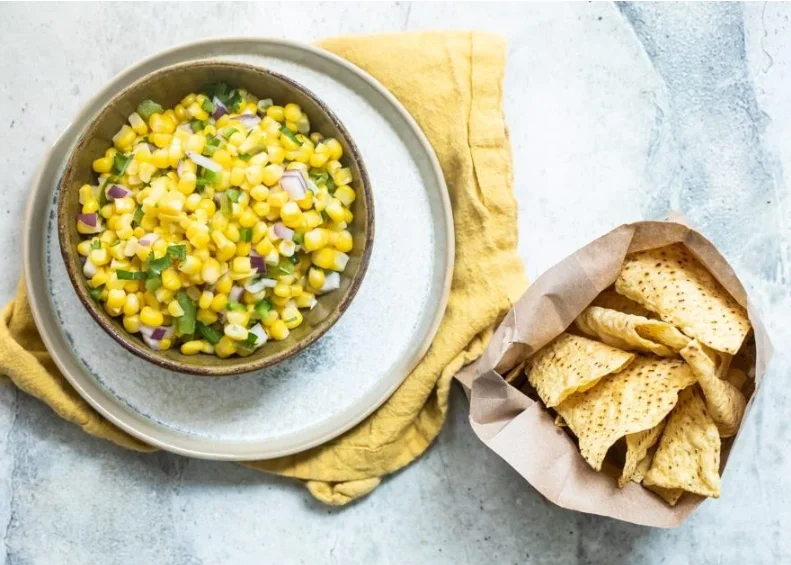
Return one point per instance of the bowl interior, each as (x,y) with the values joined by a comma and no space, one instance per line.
(167,87)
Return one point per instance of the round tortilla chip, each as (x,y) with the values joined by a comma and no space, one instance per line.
(610,299)
(672,283)
(724,402)
(636,399)
(632,333)
(688,456)
(572,364)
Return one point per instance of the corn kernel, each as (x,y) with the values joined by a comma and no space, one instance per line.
(171,279)
(124,138)
(100,257)
(305,300)
(210,271)
(206,316)
(225,347)
(192,347)
(271,175)
(278,330)
(241,265)
(132,323)
(151,317)
(316,278)
(224,285)
(345,194)
(328,258)
(292,317)
(116,298)
(344,242)
(132,304)
(262,209)
(219,302)
(103,165)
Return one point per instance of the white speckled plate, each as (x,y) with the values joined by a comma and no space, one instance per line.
(337,381)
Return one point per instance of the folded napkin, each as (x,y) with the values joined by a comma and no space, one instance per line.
(451,83)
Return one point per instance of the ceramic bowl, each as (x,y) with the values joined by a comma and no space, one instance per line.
(168,86)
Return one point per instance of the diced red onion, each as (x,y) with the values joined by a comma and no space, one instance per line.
(235,294)
(116,191)
(148,239)
(152,343)
(332,281)
(219,109)
(294,183)
(260,334)
(152,336)
(158,334)
(204,162)
(283,232)
(88,219)
(249,120)
(89,269)
(257,262)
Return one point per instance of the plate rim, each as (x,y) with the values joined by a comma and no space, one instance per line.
(196,451)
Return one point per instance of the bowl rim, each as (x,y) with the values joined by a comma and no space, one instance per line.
(125,339)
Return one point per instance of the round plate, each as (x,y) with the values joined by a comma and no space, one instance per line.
(341,378)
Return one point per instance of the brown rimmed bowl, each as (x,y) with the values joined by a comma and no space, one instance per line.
(168,86)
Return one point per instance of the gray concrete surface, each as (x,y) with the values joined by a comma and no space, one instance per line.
(616,112)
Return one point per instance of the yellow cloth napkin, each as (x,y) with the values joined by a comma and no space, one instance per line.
(451,83)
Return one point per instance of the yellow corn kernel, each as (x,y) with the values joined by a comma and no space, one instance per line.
(149,299)
(206,316)
(84,247)
(292,112)
(160,159)
(191,265)
(124,205)
(259,231)
(132,323)
(164,295)
(101,277)
(315,239)
(286,248)
(344,242)
(188,183)
(192,202)
(195,143)
(243,248)
(224,285)
(334,210)
(222,157)
(316,278)
(270,318)
(208,207)
(132,304)
(165,344)
(276,113)
(205,299)
(342,176)
(270,176)
(219,302)
(332,167)
(237,176)
(312,219)
(238,318)
(277,199)
(318,160)
(291,317)
(241,265)
(100,257)
(345,194)
(161,140)
(291,214)
(210,271)
(296,290)
(276,154)
(254,174)
(305,300)
(328,258)
(138,124)
(282,290)
(198,235)
(232,233)
(192,347)
(262,209)
(264,247)
(226,251)
(102,165)
(278,330)
(151,317)
(175,309)
(335,148)
(225,347)
(116,298)
(124,138)
(259,193)
(171,279)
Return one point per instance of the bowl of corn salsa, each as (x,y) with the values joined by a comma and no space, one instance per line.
(215,218)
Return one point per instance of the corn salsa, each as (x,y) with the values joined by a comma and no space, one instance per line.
(213,225)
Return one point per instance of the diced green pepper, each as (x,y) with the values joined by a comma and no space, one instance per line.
(147,108)
(178,252)
(233,194)
(197,126)
(227,132)
(207,106)
(246,234)
(153,283)
(290,134)
(186,323)
(96,293)
(208,333)
(130,275)
(96,244)
(121,162)
(235,307)
(138,217)
(263,308)
(156,266)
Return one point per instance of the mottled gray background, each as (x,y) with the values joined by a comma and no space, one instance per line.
(617,113)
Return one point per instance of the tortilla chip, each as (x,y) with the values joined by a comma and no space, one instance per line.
(672,283)
(736,377)
(632,333)
(611,300)
(724,402)
(572,364)
(637,446)
(560,422)
(688,456)
(642,468)
(636,399)
(669,495)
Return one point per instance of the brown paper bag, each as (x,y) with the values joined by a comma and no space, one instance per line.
(523,432)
